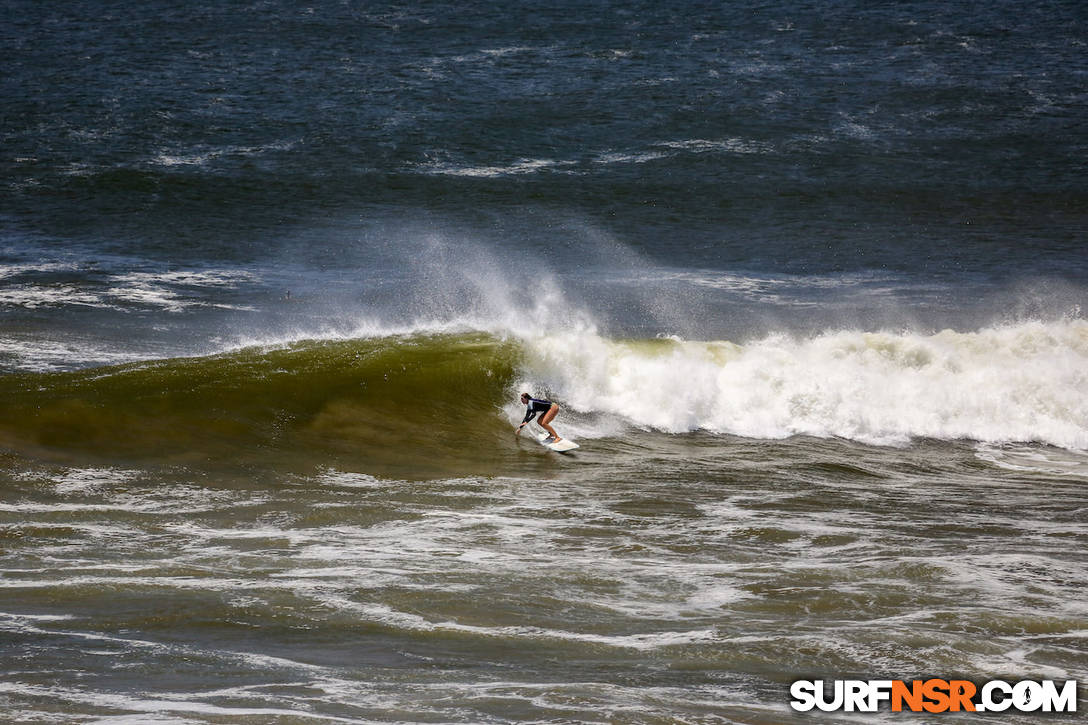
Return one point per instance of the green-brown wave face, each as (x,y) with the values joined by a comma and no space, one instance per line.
(389,405)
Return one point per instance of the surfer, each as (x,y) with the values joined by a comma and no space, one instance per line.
(537,405)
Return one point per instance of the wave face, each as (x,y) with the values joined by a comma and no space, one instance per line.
(408,404)
(1021,382)
(389,401)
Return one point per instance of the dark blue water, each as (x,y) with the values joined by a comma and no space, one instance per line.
(927,138)
(928,143)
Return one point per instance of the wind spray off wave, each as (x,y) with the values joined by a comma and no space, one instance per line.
(1023,382)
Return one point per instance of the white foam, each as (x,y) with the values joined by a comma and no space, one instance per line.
(201,157)
(33,296)
(149,289)
(501,52)
(194,278)
(1035,460)
(332,477)
(159,705)
(638,157)
(657,151)
(39,355)
(159,289)
(11,270)
(640,641)
(855,130)
(167,501)
(733,145)
(18,619)
(1025,382)
(515,168)
(89,480)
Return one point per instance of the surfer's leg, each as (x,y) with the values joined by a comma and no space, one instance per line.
(547,418)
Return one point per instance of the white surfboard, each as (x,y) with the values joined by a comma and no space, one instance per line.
(561,447)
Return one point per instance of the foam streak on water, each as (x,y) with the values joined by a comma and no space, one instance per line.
(733,568)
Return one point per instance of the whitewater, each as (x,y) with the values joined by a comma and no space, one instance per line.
(1012,383)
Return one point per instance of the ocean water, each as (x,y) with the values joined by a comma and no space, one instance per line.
(807,279)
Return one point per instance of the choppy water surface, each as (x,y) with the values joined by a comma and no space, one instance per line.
(692,580)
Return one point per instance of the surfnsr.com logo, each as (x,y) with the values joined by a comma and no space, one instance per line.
(934,696)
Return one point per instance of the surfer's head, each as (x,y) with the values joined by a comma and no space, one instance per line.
(525,398)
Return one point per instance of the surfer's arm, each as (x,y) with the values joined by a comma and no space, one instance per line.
(529,415)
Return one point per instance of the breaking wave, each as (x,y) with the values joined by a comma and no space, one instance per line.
(449,399)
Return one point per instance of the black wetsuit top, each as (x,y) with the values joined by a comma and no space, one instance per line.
(536,405)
